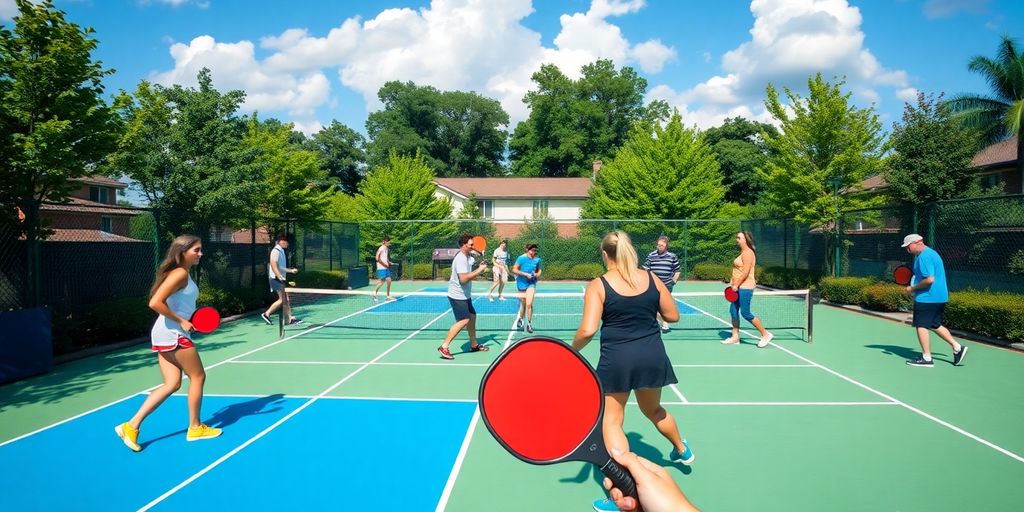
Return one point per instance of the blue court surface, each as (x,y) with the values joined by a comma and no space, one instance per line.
(275,454)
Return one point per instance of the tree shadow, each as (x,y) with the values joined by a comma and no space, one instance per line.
(230,414)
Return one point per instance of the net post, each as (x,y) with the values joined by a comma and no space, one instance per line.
(810,318)
(280,322)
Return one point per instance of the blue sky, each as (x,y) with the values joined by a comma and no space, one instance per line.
(313,61)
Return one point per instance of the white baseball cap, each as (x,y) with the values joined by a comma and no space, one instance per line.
(909,239)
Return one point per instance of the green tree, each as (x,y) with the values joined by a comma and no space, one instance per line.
(183,146)
(826,145)
(931,157)
(342,208)
(458,133)
(1000,116)
(54,124)
(291,176)
(740,147)
(396,195)
(342,154)
(573,122)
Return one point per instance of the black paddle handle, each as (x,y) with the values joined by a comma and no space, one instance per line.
(621,479)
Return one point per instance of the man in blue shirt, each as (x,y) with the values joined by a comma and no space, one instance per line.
(930,298)
(526,270)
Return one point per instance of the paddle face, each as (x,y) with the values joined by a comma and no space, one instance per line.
(542,401)
(902,275)
(479,244)
(205,320)
(731,295)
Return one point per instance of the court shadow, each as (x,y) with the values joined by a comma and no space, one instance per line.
(230,414)
(637,446)
(906,353)
(490,340)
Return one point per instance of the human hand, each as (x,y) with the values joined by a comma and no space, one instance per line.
(293,271)
(186,326)
(910,289)
(735,288)
(655,487)
(483,267)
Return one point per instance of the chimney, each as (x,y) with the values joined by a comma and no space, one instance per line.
(597,167)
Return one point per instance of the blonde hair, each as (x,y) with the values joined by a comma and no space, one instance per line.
(174,259)
(619,248)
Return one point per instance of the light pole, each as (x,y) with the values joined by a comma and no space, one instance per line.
(836,182)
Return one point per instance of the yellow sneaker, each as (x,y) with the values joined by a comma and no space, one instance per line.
(202,432)
(129,435)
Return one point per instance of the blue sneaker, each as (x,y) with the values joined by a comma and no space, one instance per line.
(685,458)
(605,505)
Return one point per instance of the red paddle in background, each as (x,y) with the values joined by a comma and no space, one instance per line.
(205,320)
(731,295)
(543,403)
(902,275)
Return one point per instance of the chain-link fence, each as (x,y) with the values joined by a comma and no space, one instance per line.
(96,265)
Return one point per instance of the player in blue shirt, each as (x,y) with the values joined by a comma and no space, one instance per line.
(526,270)
(930,297)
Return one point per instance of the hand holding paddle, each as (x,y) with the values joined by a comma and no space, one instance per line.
(731,294)
(204,320)
(543,403)
(903,275)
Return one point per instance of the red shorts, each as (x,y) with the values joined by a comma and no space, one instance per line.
(183,342)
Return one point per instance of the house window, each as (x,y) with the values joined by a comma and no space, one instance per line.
(99,194)
(991,180)
(486,207)
(106,224)
(540,207)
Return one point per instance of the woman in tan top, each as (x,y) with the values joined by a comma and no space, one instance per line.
(743,281)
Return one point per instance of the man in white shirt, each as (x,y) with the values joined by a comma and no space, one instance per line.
(277,267)
(460,296)
(383,268)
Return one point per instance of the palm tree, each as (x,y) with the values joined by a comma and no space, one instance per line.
(1000,116)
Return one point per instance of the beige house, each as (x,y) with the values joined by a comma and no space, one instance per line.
(996,165)
(511,202)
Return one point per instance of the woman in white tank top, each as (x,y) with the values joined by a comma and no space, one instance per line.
(173,297)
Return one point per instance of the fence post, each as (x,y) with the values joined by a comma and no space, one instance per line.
(330,245)
(932,211)
(785,244)
(252,251)
(686,250)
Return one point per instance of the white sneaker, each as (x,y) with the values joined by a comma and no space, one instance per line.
(501,298)
(490,299)
(731,341)
(665,327)
(763,342)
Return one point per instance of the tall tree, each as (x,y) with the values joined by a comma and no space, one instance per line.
(457,133)
(741,149)
(183,147)
(573,122)
(342,154)
(291,176)
(931,157)
(827,145)
(54,124)
(1001,115)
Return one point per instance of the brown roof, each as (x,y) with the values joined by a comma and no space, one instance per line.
(520,188)
(101,181)
(998,154)
(77,204)
(873,183)
(86,235)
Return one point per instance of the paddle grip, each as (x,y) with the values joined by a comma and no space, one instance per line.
(621,479)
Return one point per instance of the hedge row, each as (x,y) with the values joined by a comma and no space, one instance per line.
(775,277)
(995,314)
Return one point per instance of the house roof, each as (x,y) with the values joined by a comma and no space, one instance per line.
(997,155)
(86,235)
(102,181)
(77,204)
(517,188)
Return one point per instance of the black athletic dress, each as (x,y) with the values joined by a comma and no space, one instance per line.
(632,353)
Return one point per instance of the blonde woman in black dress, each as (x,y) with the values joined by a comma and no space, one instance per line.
(625,302)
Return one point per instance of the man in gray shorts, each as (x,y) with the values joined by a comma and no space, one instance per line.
(460,296)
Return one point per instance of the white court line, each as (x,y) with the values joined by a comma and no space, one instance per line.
(449,485)
(281,421)
(744,366)
(210,367)
(338,397)
(357,363)
(909,407)
(779,404)
(679,393)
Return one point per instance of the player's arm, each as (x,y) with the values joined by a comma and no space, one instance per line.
(666,304)
(176,280)
(274,256)
(593,306)
(675,270)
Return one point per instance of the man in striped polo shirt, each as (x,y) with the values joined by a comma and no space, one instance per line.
(665,265)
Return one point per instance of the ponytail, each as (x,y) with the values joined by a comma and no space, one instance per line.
(619,248)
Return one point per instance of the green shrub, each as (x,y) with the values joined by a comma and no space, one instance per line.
(585,271)
(710,272)
(554,271)
(423,271)
(333,279)
(226,303)
(999,315)
(886,297)
(844,290)
(786,278)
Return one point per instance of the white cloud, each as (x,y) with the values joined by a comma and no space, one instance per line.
(790,41)
(309,128)
(946,8)
(8,9)
(202,4)
(478,45)
(908,94)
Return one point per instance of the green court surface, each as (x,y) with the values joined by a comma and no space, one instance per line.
(840,424)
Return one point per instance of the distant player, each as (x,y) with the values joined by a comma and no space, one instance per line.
(527,270)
